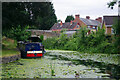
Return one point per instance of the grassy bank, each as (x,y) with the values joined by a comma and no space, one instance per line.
(9,47)
(9,52)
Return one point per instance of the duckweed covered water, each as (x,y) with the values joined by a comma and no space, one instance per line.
(62,64)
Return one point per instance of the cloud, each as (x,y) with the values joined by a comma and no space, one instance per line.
(92,8)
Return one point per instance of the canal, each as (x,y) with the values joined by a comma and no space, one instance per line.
(65,64)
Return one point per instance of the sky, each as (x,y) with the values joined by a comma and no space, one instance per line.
(92,8)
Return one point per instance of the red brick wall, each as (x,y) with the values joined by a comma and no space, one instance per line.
(108,30)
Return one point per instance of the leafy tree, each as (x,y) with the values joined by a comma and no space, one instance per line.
(63,40)
(112,3)
(81,39)
(69,18)
(40,15)
(42,37)
(14,14)
(43,15)
(116,28)
(19,33)
(58,21)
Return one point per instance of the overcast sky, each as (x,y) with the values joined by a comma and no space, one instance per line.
(92,8)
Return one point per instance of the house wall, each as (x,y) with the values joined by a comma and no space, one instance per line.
(108,30)
(79,21)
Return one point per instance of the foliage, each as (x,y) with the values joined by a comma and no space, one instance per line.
(96,42)
(42,37)
(50,43)
(62,40)
(8,43)
(8,47)
(63,30)
(69,18)
(116,28)
(35,14)
(81,39)
(11,52)
(112,3)
(58,21)
(19,33)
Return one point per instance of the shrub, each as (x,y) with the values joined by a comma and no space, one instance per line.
(19,33)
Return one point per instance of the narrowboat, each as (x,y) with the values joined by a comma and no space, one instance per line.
(32,48)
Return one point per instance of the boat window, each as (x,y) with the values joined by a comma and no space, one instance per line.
(32,47)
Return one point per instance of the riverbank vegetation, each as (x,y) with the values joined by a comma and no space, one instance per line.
(9,47)
(96,42)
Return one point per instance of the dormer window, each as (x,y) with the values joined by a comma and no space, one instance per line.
(77,26)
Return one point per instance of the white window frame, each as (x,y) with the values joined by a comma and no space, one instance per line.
(112,31)
(93,27)
(89,27)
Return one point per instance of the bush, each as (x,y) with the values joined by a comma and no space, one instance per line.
(80,41)
(42,37)
(71,44)
(50,43)
(19,33)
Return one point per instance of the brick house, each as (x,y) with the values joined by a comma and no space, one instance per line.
(69,26)
(108,22)
(77,23)
(92,25)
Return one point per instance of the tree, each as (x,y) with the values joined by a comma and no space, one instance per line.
(14,14)
(40,15)
(19,33)
(116,28)
(43,15)
(112,3)
(69,18)
(58,21)
(117,25)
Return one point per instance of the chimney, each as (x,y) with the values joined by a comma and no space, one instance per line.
(77,16)
(96,19)
(61,23)
(87,17)
(99,19)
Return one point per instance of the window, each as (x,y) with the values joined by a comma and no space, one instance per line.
(88,26)
(93,27)
(112,30)
(77,26)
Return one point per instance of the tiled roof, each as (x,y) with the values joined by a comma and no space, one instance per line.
(90,22)
(110,20)
(66,25)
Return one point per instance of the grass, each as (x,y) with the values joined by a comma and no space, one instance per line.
(9,52)
(9,47)
(8,43)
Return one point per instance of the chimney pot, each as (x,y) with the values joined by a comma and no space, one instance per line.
(87,17)
(96,19)
(99,19)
